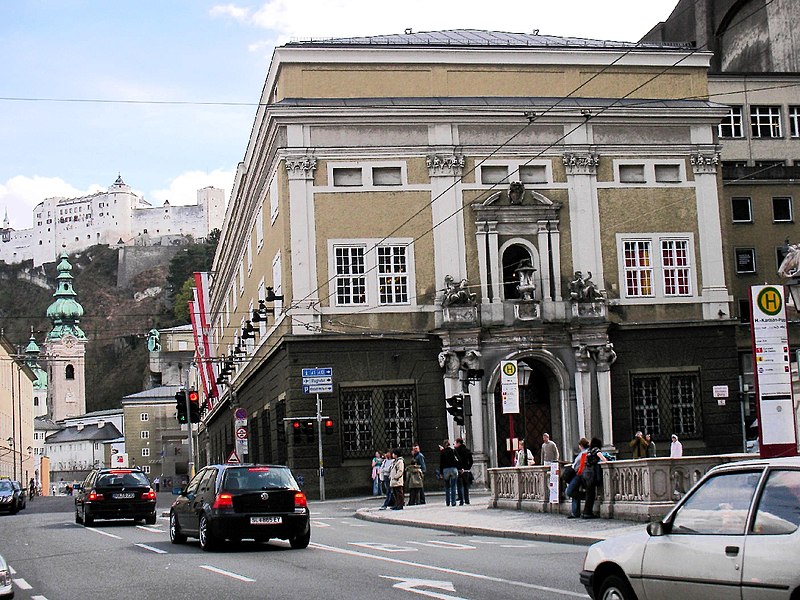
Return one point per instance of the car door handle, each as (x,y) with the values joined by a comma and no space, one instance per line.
(732,550)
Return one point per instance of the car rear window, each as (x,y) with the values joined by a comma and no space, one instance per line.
(132,478)
(5,486)
(259,478)
(779,507)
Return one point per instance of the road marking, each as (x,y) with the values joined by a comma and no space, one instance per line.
(480,576)
(319,523)
(151,548)
(349,524)
(111,535)
(412,585)
(442,544)
(38,598)
(151,529)
(227,573)
(384,547)
(11,570)
(22,584)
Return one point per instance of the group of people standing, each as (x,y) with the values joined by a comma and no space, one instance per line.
(583,477)
(549,453)
(643,446)
(455,467)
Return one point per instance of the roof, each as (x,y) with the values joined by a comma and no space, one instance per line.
(87,433)
(163,392)
(471,38)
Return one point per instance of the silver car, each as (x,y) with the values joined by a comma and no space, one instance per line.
(734,535)
(6,586)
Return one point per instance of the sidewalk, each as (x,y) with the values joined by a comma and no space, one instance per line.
(477,519)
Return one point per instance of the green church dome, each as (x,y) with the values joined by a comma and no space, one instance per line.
(65,312)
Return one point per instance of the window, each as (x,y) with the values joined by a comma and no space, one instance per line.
(145,451)
(718,507)
(350,280)
(745,260)
(666,403)
(668,173)
(533,174)
(249,256)
(794,122)
(392,275)
(782,209)
(631,174)
(731,125)
(69,372)
(675,262)
(377,417)
(742,210)
(145,435)
(144,417)
(260,228)
(273,200)
(638,268)
(765,121)
(346,176)
(386,176)
(146,469)
(779,507)
(494,174)
(744,310)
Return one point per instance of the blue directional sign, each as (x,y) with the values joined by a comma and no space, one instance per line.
(318,372)
(318,380)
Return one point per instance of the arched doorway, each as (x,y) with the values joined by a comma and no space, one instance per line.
(513,257)
(534,418)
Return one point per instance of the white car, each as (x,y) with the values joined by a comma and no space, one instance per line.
(6,586)
(736,534)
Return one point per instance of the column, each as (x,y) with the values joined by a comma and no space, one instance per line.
(605,358)
(447,214)
(305,295)
(583,390)
(584,212)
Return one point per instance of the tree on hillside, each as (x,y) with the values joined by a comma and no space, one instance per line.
(195,257)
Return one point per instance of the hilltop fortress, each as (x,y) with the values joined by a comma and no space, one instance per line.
(114,217)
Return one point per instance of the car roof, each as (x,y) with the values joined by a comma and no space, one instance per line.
(785,461)
(232,465)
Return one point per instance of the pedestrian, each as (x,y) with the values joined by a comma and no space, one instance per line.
(420,458)
(157,484)
(32,488)
(549,450)
(638,445)
(523,457)
(575,487)
(448,469)
(386,468)
(592,476)
(376,474)
(465,476)
(396,479)
(675,448)
(415,479)
(651,446)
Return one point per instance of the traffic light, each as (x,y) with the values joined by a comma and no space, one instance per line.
(455,406)
(328,426)
(180,406)
(297,432)
(194,406)
(308,428)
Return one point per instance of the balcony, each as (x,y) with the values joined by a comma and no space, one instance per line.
(762,173)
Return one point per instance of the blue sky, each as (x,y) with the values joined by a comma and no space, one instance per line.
(163,92)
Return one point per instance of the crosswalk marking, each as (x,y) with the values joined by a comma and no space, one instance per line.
(151,548)
(442,544)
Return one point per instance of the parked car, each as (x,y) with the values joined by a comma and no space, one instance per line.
(115,494)
(6,586)
(22,494)
(10,500)
(736,533)
(236,502)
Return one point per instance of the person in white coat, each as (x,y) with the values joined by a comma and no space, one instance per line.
(675,448)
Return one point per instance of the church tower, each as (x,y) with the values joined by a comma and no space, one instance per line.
(40,384)
(65,349)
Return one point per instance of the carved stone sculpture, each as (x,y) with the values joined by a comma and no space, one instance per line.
(526,285)
(516,193)
(457,294)
(790,266)
(583,289)
(450,363)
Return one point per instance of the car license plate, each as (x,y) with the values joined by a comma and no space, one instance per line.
(124,495)
(266,520)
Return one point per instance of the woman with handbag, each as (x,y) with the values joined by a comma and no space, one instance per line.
(574,488)
(592,476)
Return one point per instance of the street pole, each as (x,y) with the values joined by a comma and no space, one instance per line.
(319,448)
(189,423)
(13,424)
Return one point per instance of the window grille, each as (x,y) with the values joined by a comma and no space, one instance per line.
(667,403)
(377,418)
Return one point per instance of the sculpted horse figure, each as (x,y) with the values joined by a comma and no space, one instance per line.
(790,267)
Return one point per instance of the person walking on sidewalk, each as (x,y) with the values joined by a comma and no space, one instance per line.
(464,473)
(592,476)
(376,474)
(448,469)
(675,448)
(396,479)
(386,468)
(414,482)
(420,458)
(574,489)
(549,450)
(523,457)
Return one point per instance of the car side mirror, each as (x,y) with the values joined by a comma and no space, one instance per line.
(658,528)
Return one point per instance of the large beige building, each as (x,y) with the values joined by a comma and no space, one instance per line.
(17,460)
(427,206)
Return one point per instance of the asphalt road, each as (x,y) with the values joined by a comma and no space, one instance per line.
(53,558)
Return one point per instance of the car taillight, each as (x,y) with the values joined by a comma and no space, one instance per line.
(300,500)
(150,495)
(94,496)
(223,501)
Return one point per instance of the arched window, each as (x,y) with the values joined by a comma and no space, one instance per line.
(69,372)
(512,258)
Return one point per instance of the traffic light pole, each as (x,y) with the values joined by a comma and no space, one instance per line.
(191,437)
(319,448)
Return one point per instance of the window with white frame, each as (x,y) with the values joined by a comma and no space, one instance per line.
(347,176)
(765,121)
(249,256)
(741,209)
(145,435)
(273,200)
(667,173)
(782,209)
(494,174)
(146,469)
(260,228)
(657,266)
(145,451)
(745,260)
(366,272)
(277,282)
(144,416)
(632,174)
(387,176)
(533,173)
(241,279)
(794,122)
(732,125)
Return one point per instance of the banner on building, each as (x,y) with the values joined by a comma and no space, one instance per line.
(201,326)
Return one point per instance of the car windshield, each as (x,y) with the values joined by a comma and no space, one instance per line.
(122,479)
(259,478)
(5,486)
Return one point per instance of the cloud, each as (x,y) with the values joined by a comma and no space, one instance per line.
(20,194)
(230,10)
(183,189)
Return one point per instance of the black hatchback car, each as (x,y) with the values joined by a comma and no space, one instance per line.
(235,502)
(115,494)
(11,499)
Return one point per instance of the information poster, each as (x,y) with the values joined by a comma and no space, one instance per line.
(509,386)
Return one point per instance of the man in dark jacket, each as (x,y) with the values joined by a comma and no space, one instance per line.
(464,474)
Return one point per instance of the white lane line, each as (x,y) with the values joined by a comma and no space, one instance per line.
(442,544)
(408,563)
(156,550)
(316,523)
(227,573)
(22,584)
(111,535)
(38,597)
(151,529)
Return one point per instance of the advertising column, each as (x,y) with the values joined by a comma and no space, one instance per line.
(771,367)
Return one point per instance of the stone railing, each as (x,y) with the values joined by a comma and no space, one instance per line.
(637,490)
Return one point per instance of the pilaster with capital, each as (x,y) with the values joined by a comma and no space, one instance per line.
(439,165)
(449,256)
(300,167)
(704,162)
(580,163)
(584,210)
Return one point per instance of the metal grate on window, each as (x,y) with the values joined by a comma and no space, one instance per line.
(377,418)
(668,403)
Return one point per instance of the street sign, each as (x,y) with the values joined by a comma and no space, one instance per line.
(241,433)
(318,372)
(233,458)
(317,389)
(509,386)
(317,380)
(241,413)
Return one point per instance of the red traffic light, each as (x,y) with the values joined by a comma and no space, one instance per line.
(329,423)
(296,424)
(194,396)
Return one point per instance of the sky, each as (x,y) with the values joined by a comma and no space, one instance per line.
(164,92)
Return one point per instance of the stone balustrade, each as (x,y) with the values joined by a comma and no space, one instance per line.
(636,490)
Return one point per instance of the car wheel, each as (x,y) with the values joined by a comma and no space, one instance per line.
(175,535)
(615,587)
(301,541)
(88,519)
(151,518)
(207,540)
